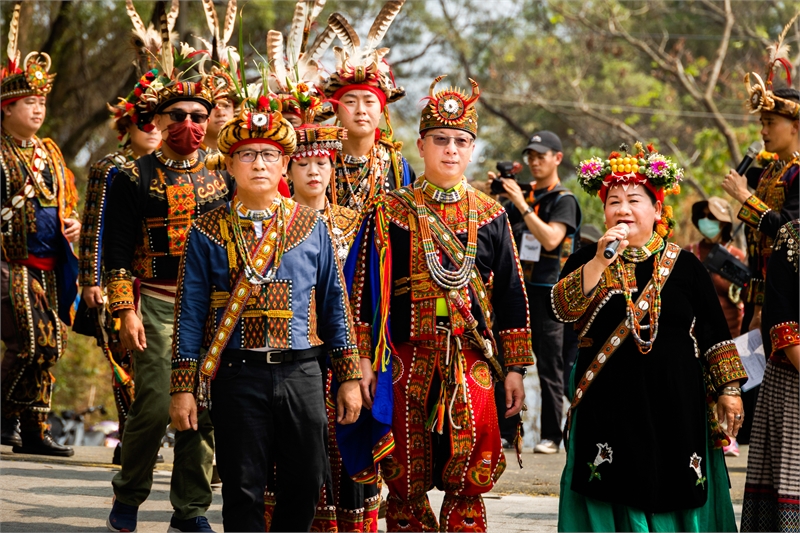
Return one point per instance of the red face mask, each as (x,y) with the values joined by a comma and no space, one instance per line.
(185,137)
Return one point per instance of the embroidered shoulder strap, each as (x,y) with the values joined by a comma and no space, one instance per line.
(265,253)
(615,340)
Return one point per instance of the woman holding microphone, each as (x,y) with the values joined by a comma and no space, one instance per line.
(644,448)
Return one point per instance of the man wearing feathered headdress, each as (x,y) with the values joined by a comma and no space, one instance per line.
(370,164)
(775,200)
(92,320)
(344,504)
(38,269)
(151,205)
(454,269)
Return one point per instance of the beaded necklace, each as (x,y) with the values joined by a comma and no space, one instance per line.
(250,271)
(183,164)
(35,163)
(361,181)
(256,215)
(447,279)
(441,196)
(637,255)
(340,247)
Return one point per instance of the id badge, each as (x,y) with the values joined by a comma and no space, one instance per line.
(531,248)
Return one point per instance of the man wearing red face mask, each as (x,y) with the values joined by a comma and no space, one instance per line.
(151,205)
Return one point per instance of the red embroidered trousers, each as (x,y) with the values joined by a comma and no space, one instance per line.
(453,394)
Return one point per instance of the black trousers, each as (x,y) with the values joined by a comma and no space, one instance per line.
(548,339)
(269,414)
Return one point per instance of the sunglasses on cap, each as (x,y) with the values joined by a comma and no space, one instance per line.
(180,116)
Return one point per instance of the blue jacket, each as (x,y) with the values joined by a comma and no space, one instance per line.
(305,306)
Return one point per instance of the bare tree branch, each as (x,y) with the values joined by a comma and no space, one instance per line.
(434,41)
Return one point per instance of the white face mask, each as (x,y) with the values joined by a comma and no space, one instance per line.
(709,228)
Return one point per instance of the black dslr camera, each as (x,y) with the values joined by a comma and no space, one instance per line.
(721,261)
(508,170)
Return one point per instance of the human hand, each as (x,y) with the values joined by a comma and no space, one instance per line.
(72,229)
(728,408)
(368,383)
(93,296)
(515,194)
(616,233)
(348,402)
(183,411)
(736,185)
(131,331)
(515,393)
(755,322)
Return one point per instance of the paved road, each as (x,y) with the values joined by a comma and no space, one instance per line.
(74,494)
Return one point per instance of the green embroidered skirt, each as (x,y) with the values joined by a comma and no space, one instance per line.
(580,513)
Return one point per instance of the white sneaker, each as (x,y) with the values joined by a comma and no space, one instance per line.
(546,446)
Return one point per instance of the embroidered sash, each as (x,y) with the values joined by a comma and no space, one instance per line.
(615,340)
(265,253)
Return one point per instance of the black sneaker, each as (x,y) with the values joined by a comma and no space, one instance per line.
(34,444)
(123,517)
(10,432)
(198,523)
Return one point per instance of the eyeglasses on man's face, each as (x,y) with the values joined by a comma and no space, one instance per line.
(180,116)
(249,156)
(444,140)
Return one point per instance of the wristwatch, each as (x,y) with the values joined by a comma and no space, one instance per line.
(519,370)
(528,211)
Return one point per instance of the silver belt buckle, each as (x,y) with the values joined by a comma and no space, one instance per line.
(269,357)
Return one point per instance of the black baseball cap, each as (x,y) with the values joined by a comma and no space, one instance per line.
(542,141)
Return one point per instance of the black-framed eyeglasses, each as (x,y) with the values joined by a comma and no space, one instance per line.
(180,116)
(443,140)
(249,156)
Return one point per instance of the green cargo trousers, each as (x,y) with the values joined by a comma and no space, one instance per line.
(190,487)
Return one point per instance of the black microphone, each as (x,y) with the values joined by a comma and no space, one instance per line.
(749,156)
(611,248)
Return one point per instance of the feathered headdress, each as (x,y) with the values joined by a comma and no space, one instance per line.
(173,80)
(294,68)
(760,94)
(260,120)
(146,40)
(364,67)
(34,80)
(450,108)
(221,53)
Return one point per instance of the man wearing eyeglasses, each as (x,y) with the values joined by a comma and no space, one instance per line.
(260,299)
(151,205)
(545,223)
(454,267)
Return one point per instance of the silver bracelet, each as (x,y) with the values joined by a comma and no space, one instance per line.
(730,391)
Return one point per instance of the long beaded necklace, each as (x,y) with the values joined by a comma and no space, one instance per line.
(361,183)
(340,247)
(34,163)
(628,285)
(447,279)
(250,271)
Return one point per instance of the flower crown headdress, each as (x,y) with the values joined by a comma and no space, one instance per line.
(657,172)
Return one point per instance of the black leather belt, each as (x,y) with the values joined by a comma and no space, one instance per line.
(271,357)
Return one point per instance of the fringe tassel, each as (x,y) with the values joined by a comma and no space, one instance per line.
(383,347)
(518,443)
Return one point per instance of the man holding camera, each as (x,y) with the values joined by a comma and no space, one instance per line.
(545,222)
